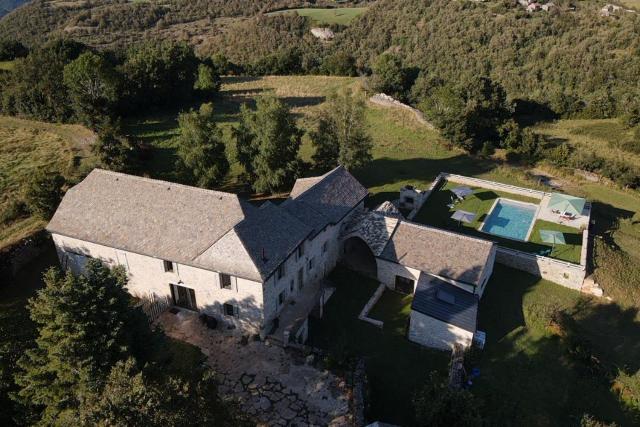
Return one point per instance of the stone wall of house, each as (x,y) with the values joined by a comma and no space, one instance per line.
(563,273)
(324,259)
(147,277)
(387,272)
(424,195)
(430,332)
(476,182)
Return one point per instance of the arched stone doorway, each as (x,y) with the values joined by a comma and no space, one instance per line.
(358,257)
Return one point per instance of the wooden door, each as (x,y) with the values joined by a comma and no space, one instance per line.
(184,297)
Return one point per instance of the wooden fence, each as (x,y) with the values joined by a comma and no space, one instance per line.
(153,306)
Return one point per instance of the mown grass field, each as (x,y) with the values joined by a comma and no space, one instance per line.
(27,146)
(340,15)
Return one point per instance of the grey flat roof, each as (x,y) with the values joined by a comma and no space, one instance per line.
(443,253)
(445,302)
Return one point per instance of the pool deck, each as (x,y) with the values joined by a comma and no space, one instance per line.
(545,214)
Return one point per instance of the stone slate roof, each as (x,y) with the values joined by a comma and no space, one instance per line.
(255,247)
(208,229)
(330,196)
(157,218)
(431,298)
(373,227)
(439,252)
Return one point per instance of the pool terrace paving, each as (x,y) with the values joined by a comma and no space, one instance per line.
(436,212)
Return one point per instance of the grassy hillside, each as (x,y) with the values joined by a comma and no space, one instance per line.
(608,138)
(342,16)
(27,146)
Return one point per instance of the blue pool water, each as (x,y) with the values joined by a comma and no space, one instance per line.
(510,219)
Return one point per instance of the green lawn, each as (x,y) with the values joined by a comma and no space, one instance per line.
(534,372)
(341,15)
(435,212)
(395,366)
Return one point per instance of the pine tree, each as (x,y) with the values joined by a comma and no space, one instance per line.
(85,326)
(268,142)
(341,137)
(201,150)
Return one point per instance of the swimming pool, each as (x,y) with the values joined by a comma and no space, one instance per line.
(510,219)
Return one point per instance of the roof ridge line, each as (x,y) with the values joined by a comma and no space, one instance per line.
(162,181)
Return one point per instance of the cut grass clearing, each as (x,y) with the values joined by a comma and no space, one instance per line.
(340,15)
(27,146)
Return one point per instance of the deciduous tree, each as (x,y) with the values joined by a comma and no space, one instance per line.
(94,88)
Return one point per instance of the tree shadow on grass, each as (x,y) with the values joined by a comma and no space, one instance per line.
(553,355)
(388,171)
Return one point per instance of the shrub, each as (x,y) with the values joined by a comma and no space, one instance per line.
(43,193)
(437,405)
(14,209)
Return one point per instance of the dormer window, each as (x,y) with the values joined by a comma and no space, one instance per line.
(168,266)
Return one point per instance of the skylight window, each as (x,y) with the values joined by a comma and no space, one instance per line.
(445,296)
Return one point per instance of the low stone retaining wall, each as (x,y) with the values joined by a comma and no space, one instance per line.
(563,273)
(13,258)
(491,185)
(364,314)
(424,196)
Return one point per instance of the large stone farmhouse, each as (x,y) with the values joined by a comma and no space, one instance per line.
(262,269)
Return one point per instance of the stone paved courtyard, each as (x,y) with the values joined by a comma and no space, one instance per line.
(274,386)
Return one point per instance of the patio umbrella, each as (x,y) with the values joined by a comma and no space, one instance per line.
(565,203)
(553,237)
(462,192)
(463,216)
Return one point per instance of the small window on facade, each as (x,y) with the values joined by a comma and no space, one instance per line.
(324,247)
(230,310)
(281,271)
(282,297)
(311,264)
(168,266)
(291,286)
(225,281)
(300,251)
